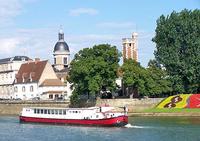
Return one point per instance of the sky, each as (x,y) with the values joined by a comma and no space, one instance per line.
(30,27)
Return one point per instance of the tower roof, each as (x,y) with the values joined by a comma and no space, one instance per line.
(61,45)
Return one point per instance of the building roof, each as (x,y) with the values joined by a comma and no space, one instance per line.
(65,70)
(52,82)
(61,45)
(53,92)
(30,71)
(15,58)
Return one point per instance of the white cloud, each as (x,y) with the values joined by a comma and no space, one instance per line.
(9,9)
(8,45)
(29,42)
(83,11)
(116,25)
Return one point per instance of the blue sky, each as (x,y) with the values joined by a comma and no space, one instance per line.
(30,27)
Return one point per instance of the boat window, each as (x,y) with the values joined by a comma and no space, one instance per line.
(97,116)
(38,111)
(45,111)
(48,111)
(52,112)
(42,111)
(56,112)
(60,112)
(64,112)
(34,111)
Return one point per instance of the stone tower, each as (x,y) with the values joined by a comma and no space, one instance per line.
(130,46)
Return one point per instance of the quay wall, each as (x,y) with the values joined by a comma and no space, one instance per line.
(134,105)
(15,107)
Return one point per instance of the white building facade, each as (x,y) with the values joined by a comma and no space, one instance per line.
(37,79)
(8,69)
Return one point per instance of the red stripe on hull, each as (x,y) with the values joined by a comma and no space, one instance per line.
(116,121)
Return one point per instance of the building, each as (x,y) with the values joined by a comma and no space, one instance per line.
(8,69)
(130,46)
(37,79)
(61,55)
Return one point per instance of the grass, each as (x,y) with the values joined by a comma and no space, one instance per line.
(172,110)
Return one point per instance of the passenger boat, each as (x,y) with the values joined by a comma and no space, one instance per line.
(97,116)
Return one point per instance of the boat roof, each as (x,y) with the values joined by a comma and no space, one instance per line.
(59,108)
(90,108)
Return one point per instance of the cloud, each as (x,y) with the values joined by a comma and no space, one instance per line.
(29,42)
(8,45)
(116,25)
(83,11)
(10,9)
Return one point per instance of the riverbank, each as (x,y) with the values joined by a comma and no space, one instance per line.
(164,114)
(137,107)
(14,108)
(187,112)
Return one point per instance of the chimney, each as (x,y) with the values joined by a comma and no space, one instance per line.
(30,77)
(22,77)
(37,60)
(29,61)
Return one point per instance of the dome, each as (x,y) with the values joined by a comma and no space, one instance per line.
(61,46)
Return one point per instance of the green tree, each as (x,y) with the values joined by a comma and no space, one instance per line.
(94,68)
(178,49)
(134,77)
(161,83)
(152,82)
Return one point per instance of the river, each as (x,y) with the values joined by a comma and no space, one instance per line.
(141,129)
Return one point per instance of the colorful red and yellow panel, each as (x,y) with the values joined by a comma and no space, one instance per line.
(176,101)
(194,101)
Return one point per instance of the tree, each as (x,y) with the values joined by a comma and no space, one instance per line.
(178,49)
(152,82)
(134,77)
(161,83)
(94,68)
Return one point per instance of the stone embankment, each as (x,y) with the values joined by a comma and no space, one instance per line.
(134,105)
(15,107)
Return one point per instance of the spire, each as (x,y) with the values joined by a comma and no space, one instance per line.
(61,34)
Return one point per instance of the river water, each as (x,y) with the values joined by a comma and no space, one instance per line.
(140,129)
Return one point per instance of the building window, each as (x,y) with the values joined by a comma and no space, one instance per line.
(31,88)
(51,96)
(16,89)
(56,96)
(65,60)
(23,89)
(54,60)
